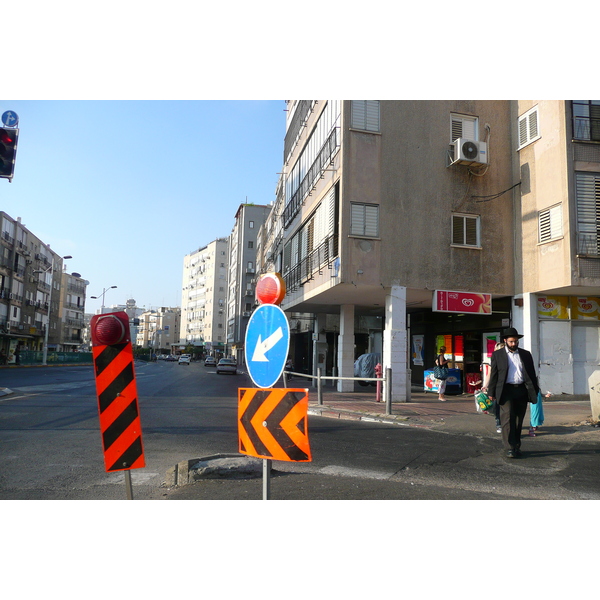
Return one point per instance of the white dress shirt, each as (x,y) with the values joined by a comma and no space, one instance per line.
(515,367)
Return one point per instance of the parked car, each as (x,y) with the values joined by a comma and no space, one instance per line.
(184,359)
(364,366)
(227,365)
(209,361)
(171,358)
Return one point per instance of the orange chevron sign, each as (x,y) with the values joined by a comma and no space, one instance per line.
(273,423)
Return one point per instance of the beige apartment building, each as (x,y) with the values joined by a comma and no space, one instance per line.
(204,297)
(159,329)
(557,301)
(401,226)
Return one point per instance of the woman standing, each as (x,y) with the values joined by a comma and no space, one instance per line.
(441,361)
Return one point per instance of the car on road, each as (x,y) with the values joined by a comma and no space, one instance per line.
(209,361)
(227,365)
(171,358)
(184,359)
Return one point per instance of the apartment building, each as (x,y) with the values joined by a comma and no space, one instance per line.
(72,311)
(30,291)
(557,304)
(401,226)
(204,297)
(159,329)
(242,273)
(379,208)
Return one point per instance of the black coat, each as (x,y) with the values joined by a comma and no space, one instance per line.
(499,373)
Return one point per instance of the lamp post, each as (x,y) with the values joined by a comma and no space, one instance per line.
(112,287)
(51,270)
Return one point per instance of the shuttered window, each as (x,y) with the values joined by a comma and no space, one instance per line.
(550,223)
(364,220)
(463,126)
(365,115)
(529,129)
(587,189)
(465,230)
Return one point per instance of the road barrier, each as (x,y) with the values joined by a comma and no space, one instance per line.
(32,357)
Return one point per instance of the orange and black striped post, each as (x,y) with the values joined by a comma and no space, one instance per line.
(116,388)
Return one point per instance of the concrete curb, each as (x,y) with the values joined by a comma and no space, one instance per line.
(349,415)
(216,466)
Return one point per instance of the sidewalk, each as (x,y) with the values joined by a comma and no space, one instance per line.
(457,415)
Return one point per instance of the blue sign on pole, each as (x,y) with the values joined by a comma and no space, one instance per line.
(10,119)
(267,344)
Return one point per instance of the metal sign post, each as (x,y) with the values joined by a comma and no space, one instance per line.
(266,479)
(128,486)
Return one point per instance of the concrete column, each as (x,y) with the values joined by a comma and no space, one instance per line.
(395,353)
(345,357)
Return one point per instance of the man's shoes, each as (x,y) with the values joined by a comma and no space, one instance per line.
(511,454)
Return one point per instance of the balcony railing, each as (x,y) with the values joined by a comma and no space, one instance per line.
(319,259)
(324,158)
(586,128)
(588,244)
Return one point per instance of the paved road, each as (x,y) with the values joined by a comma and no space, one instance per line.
(50,448)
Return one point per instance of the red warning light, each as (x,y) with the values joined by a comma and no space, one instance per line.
(109,329)
(270,289)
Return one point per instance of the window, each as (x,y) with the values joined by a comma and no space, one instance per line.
(587,190)
(586,120)
(550,223)
(463,126)
(250,245)
(251,224)
(528,125)
(365,115)
(364,220)
(465,230)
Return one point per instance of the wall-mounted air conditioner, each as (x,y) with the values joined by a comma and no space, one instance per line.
(469,152)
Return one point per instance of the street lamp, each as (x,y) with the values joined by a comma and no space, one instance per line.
(50,269)
(112,287)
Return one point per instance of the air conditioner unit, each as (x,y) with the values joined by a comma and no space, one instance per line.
(469,152)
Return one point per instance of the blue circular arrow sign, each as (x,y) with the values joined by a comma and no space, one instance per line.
(267,344)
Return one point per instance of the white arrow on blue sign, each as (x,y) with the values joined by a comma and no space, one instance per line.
(267,344)
(10,118)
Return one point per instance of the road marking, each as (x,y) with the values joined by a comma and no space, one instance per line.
(348,472)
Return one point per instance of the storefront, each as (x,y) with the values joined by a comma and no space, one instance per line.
(569,342)
(469,339)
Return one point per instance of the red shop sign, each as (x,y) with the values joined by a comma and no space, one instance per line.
(462,302)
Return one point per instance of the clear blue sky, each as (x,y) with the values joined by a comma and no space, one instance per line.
(128,188)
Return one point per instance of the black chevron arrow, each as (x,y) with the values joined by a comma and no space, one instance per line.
(273,421)
(255,404)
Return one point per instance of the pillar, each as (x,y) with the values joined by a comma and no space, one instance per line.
(345,359)
(395,349)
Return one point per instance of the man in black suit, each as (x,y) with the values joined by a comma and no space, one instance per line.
(512,384)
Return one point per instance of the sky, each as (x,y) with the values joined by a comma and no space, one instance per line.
(128,188)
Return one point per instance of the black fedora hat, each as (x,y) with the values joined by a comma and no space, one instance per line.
(511,332)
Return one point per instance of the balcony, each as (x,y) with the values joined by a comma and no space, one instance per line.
(316,261)
(588,245)
(323,160)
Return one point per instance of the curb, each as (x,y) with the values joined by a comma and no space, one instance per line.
(354,416)
(216,466)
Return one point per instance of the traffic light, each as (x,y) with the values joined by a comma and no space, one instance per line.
(8,151)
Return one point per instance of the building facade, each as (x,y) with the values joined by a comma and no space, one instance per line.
(401,226)
(159,330)
(557,156)
(242,274)
(30,291)
(378,208)
(204,297)
(72,312)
